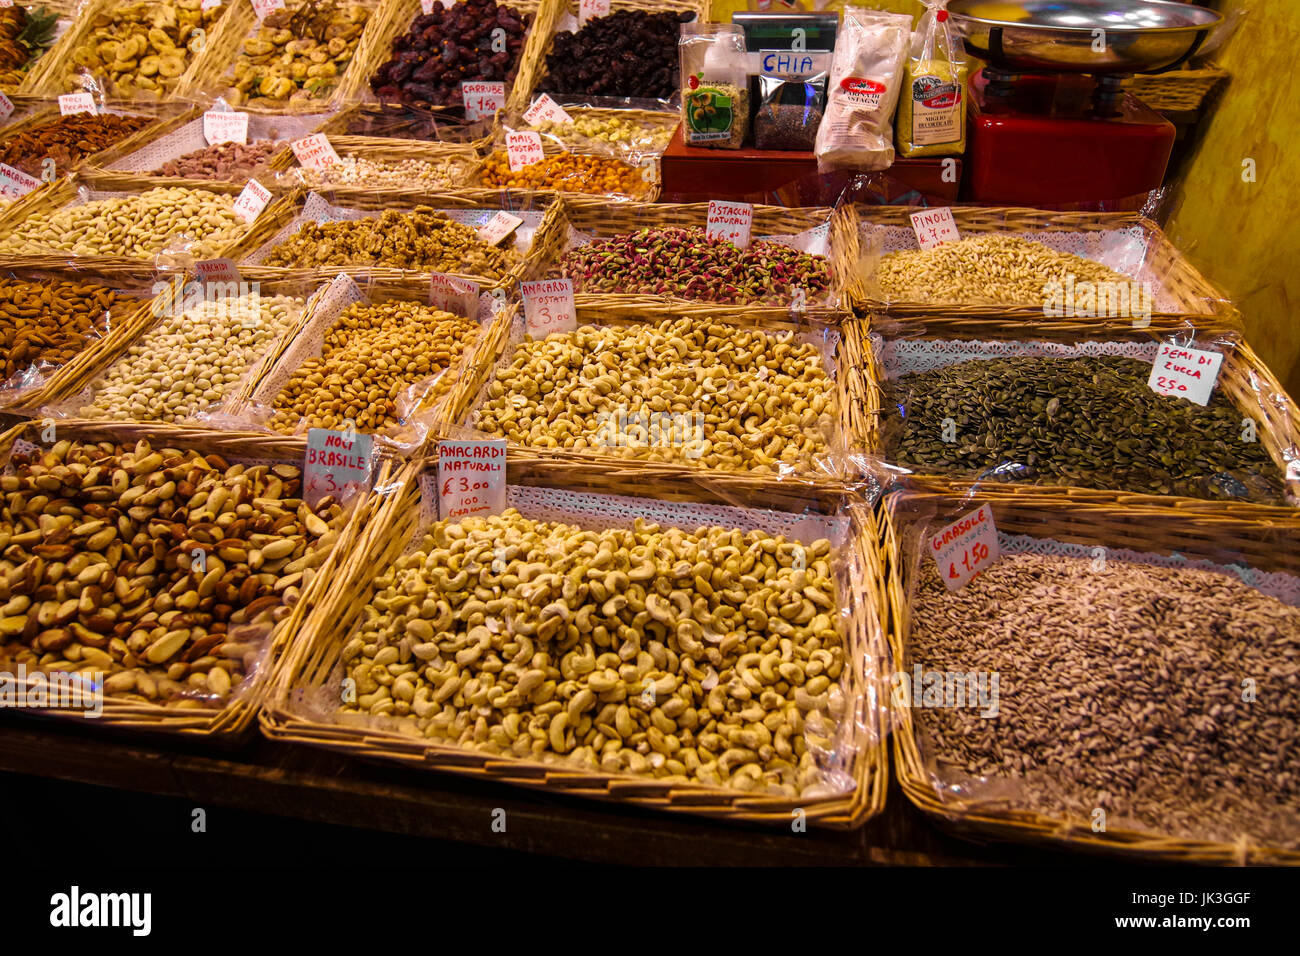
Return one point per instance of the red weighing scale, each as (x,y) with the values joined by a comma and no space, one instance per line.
(1048,120)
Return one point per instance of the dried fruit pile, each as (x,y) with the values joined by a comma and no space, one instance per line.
(24,36)
(629,53)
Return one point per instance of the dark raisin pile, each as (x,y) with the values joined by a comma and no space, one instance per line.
(449,46)
(629,53)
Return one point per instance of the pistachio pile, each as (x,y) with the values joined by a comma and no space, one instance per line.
(162,568)
(137,226)
(298,54)
(686,263)
(710,656)
(421,239)
(678,390)
(370,356)
(142,48)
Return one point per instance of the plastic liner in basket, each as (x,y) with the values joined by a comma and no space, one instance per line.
(594,124)
(367,380)
(738,396)
(395,121)
(186,669)
(1079,413)
(682,262)
(377,246)
(1101,689)
(372,168)
(608,169)
(208,343)
(664,692)
(47,320)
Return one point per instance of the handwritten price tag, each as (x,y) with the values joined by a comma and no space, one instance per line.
(250,203)
(548,307)
(471,478)
(966,547)
(337,463)
(523,149)
(498,227)
(14,183)
(453,295)
(264,8)
(545,110)
(482,98)
(1185,373)
(216,270)
(73,103)
(209,4)
(591,9)
(315,151)
(934,227)
(6,107)
(731,221)
(224,126)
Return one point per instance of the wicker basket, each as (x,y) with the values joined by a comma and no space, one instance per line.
(838,341)
(460,162)
(39,112)
(650,120)
(381,124)
(215,68)
(1176,286)
(1243,378)
(227,724)
(281,218)
(1177,90)
(1103,523)
(403,13)
(299,708)
(570,7)
(648,178)
(47,78)
(601,219)
(34,396)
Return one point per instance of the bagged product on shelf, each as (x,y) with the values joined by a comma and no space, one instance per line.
(931,117)
(715,85)
(866,76)
(791,111)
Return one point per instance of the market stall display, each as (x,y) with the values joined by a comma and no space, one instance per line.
(366,166)
(27,31)
(67,141)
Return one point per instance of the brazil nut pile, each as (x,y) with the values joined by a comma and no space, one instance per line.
(710,656)
(162,568)
(745,398)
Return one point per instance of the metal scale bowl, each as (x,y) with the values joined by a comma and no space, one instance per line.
(1054,65)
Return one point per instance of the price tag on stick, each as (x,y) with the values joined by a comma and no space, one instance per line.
(731,221)
(225,126)
(250,203)
(482,98)
(14,183)
(216,270)
(471,478)
(934,227)
(337,463)
(591,9)
(264,8)
(72,103)
(545,110)
(315,151)
(523,149)
(966,547)
(548,307)
(453,295)
(498,227)
(6,107)
(1185,372)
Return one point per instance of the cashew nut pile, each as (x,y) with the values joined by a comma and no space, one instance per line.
(164,569)
(142,47)
(191,362)
(138,226)
(297,54)
(709,656)
(744,398)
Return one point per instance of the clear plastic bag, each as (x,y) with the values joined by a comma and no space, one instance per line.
(789,112)
(931,117)
(715,85)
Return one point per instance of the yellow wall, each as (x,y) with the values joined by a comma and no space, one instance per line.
(1242,235)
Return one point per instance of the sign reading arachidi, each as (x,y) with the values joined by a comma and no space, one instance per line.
(471,478)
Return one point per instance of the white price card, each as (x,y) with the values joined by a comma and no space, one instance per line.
(209,4)
(426,6)
(471,478)
(482,98)
(591,9)
(453,295)
(731,221)
(934,227)
(225,126)
(315,151)
(544,110)
(498,227)
(264,8)
(250,203)
(14,183)
(216,270)
(523,149)
(548,307)
(337,463)
(6,107)
(966,547)
(71,103)
(1185,372)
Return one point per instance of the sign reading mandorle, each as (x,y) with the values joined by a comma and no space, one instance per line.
(76,909)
